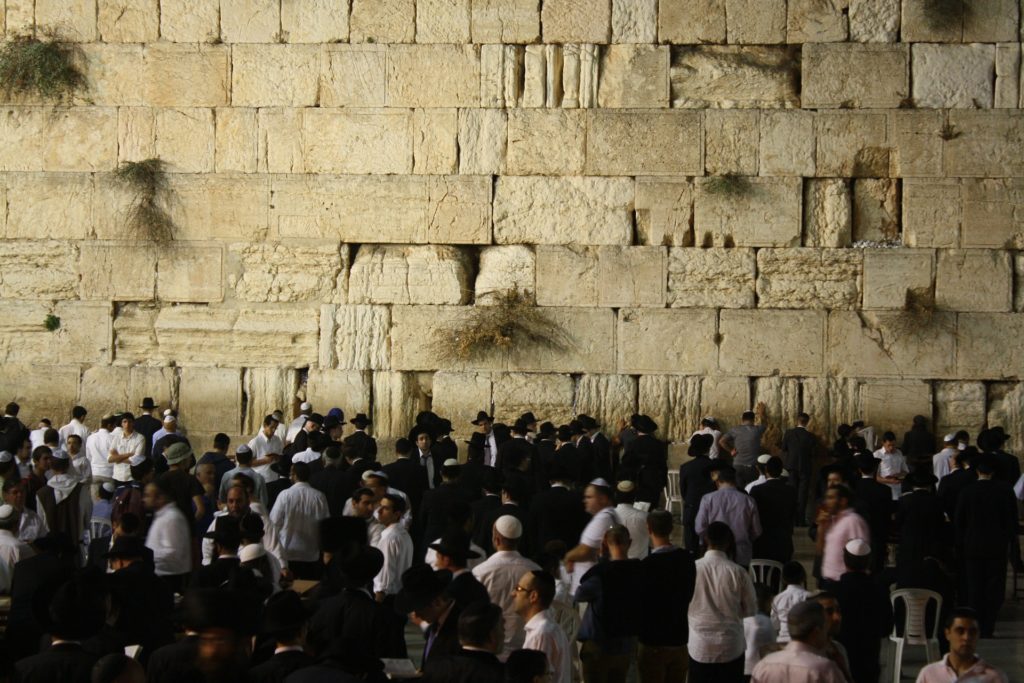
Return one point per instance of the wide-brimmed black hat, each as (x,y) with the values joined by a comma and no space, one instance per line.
(315,417)
(455,543)
(71,610)
(360,565)
(922,478)
(564,433)
(225,531)
(444,426)
(700,444)
(643,423)
(482,416)
(341,534)
(521,427)
(528,417)
(360,420)
(330,422)
(420,585)
(546,431)
(283,612)
(587,422)
(1000,432)
(148,404)
(127,546)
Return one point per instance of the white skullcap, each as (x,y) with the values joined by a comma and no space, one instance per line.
(763,459)
(243,449)
(626,486)
(600,482)
(6,456)
(858,547)
(170,419)
(450,462)
(949,438)
(305,407)
(509,527)
(251,552)
(6,512)
(60,454)
(136,460)
(962,447)
(108,486)
(375,474)
(168,412)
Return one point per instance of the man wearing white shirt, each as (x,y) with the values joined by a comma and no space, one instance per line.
(76,426)
(708,426)
(396,546)
(893,467)
(266,449)
(532,598)
(12,550)
(243,456)
(97,449)
(942,462)
(79,461)
(597,500)
(31,525)
(37,435)
(123,446)
(633,519)
(296,515)
(169,537)
(293,429)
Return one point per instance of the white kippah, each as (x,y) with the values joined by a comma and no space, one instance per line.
(167,412)
(136,460)
(6,456)
(251,552)
(243,449)
(6,512)
(450,462)
(626,486)
(600,482)
(170,419)
(60,454)
(509,527)
(108,486)
(949,438)
(763,459)
(858,547)
(305,407)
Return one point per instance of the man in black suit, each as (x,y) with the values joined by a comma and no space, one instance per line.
(435,508)
(799,445)
(330,480)
(585,452)
(53,565)
(407,475)
(512,495)
(951,485)
(873,501)
(695,483)
(75,612)
(480,632)
(146,424)
(1007,467)
(491,486)
(602,448)
(143,603)
(284,620)
(513,453)
(555,514)
(226,536)
(360,440)
(453,552)
(777,508)
(423,595)
(567,455)
(358,463)
(922,529)
(647,456)
(444,445)
(432,463)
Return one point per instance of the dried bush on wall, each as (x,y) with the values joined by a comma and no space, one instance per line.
(148,217)
(729,186)
(43,67)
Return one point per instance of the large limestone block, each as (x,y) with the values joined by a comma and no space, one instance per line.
(852,144)
(483,141)
(689,21)
(44,390)
(354,337)
(756,22)
(974,280)
(959,405)
(891,406)
(711,278)
(235,140)
(136,135)
(781,398)
(111,74)
(433,76)
(186,75)
(291,272)
(601,276)
(988,145)
(442,21)
(435,141)
(725,398)
(876,209)
(357,141)
(932,213)
(66,139)
(103,390)
(881,79)
(828,213)
(545,394)
(891,344)
(275,75)
(279,144)
(409,275)
(397,398)
(250,21)
(890,273)
(354,76)
(1006,409)
(817,21)
(212,207)
(763,212)
(410,351)
(734,77)
(459,396)
(916,143)
(667,341)
(587,344)
(607,399)
(502,268)
(875,21)
(505,21)
(772,342)
(395,209)
(128,21)
(383,21)
(75,19)
(809,278)
(117,271)
(975,21)
(634,21)
(672,402)
(350,389)
(211,399)
(982,350)
(634,76)
(643,143)
(731,142)
(314,21)
(948,76)
(576,21)
(1007,87)
(190,21)
(33,269)
(266,390)
(49,206)
(992,213)
(546,141)
(787,144)
(535,210)
(191,274)
(185,139)
(664,207)
(84,335)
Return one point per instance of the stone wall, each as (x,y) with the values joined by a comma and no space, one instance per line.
(686,186)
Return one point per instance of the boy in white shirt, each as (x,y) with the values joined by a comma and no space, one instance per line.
(795,578)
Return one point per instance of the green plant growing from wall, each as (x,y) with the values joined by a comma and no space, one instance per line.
(729,186)
(148,217)
(41,67)
(51,323)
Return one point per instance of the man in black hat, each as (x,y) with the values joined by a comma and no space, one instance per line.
(430,462)
(480,633)
(407,475)
(647,457)
(452,555)
(604,465)
(777,507)
(359,439)
(1007,467)
(490,486)
(485,425)
(517,450)
(284,620)
(556,513)
(695,483)
(567,455)
(146,424)
(226,537)
(873,502)
(74,613)
(444,445)
(798,448)
(922,528)
(423,595)
(142,602)
(435,508)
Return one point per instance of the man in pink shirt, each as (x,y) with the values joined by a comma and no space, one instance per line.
(961,663)
(837,526)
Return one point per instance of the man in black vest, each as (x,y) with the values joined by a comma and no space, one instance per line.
(799,445)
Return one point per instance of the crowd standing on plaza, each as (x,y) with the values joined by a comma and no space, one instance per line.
(529,552)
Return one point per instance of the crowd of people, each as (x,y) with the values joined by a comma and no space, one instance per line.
(540,553)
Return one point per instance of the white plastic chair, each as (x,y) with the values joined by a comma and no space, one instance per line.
(768,572)
(672,492)
(916,601)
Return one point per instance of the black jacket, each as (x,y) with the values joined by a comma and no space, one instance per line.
(354,621)
(776,506)
(867,618)
(329,481)
(695,483)
(951,486)
(147,425)
(923,533)
(409,477)
(487,524)
(279,667)
(511,453)
(446,640)
(798,446)
(648,457)
(362,441)
(874,503)
(165,664)
(604,465)
(465,666)
(555,514)
(465,589)
(482,509)
(668,579)
(66,663)
(986,519)
(434,514)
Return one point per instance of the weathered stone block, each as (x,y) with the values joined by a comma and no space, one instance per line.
(734,77)
(664,207)
(711,278)
(49,393)
(764,212)
(881,79)
(852,144)
(731,142)
(827,213)
(974,280)
(275,75)
(111,74)
(505,21)
(982,351)
(113,271)
(186,75)
(267,390)
(947,76)
(219,207)
(875,21)
(399,209)
(634,76)
(69,139)
(876,214)
(816,21)
(286,271)
(350,389)
(409,275)
(984,21)
(725,398)
(787,143)
(1018,297)
(442,21)
(686,341)
(76,19)
(890,273)
(891,406)
(250,21)
(987,146)
(687,22)
(931,213)
(136,134)
(1006,409)
(236,141)
(890,344)
(672,402)
(1007,87)
(435,141)
(103,389)
(809,278)
(576,21)
(185,139)
(409,352)
(643,143)
(210,399)
(545,394)
(756,22)
(383,21)
(38,270)
(483,137)
(607,398)
(459,396)
(959,405)
(190,21)
(354,76)
(545,142)
(49,206)
(191,274)
(787,342)
(433,76)
(128,21)
(993,213)
(354,140)
(355,337)
(634,21)
(563,210)
(502,268)
(587,346)
(600,276)
(314,21)
(83,335)
(916,143)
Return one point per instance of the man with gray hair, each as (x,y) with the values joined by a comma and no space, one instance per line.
(801,661)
